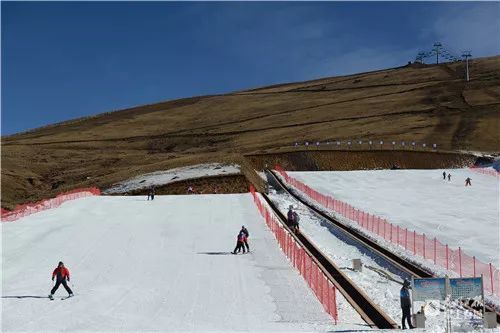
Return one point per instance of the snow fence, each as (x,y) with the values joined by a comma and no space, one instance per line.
(322,287)
(486,171)
(419,244)
(35,207)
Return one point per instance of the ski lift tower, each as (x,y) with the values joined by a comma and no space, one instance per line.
(437,50)
(466,55)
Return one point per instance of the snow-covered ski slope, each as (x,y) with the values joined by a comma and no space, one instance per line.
(165,177)
(421,200)
(161,265)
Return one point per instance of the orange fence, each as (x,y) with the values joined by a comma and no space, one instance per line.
(419,244)
(484,171)
(35,207)
(323,288)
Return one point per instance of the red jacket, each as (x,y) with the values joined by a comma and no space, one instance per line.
(63,271)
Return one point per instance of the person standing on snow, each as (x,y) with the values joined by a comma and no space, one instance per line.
(247,234)
(467,182)
(404,296)
(296,219)
(290,216)
(151,193)
(240,240)
(62,274)
(449,177)
(444,175)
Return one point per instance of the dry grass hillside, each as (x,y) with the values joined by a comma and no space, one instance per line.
(430,103)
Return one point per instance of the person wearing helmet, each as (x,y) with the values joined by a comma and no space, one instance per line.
(61,274)
(245,241)
(240,241)
(404,297)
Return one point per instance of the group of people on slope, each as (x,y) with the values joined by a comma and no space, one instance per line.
(242,241)
(467,180)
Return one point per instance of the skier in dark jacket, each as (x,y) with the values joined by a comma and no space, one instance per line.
(290,216)
(444,175)
(404,296)
(247,234)
(467,181)
(62,274)
(449,177)
(240,241)
(151,193)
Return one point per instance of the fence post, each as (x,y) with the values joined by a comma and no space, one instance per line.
(414,242)
(460,260)
(406,239)
(435,243)
(491,278)
(447,257)
(474,265)
(423,240)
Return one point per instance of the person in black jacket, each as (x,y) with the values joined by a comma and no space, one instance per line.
(151,193)
(247,234)
(404,296)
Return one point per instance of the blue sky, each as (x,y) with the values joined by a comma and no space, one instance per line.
(66,60)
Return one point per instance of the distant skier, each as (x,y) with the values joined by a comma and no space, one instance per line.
(247,234)
(444,175)
(151,193)
(290,216)
(190,190)
(240,241)
(467,181)
(404,297)
(62,274)
(449,177)
(296,220)
(293,219)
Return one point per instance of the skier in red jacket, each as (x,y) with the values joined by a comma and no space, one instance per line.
(62,274)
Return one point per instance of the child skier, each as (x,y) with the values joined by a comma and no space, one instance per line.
(240,240)
(247,234)
(62,274)
(467,182)
(449,177)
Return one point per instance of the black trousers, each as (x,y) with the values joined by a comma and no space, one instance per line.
(407,316)
(239,246)
(58,283)
(248,247)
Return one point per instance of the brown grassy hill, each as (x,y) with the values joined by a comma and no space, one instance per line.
(425,103)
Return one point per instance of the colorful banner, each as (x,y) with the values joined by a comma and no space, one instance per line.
(466,287)
(429,289)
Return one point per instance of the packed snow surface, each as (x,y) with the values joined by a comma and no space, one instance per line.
(421,200)
(378,279)
(161,265)
(165,177)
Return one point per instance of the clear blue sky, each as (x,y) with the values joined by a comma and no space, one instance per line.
(66,60)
